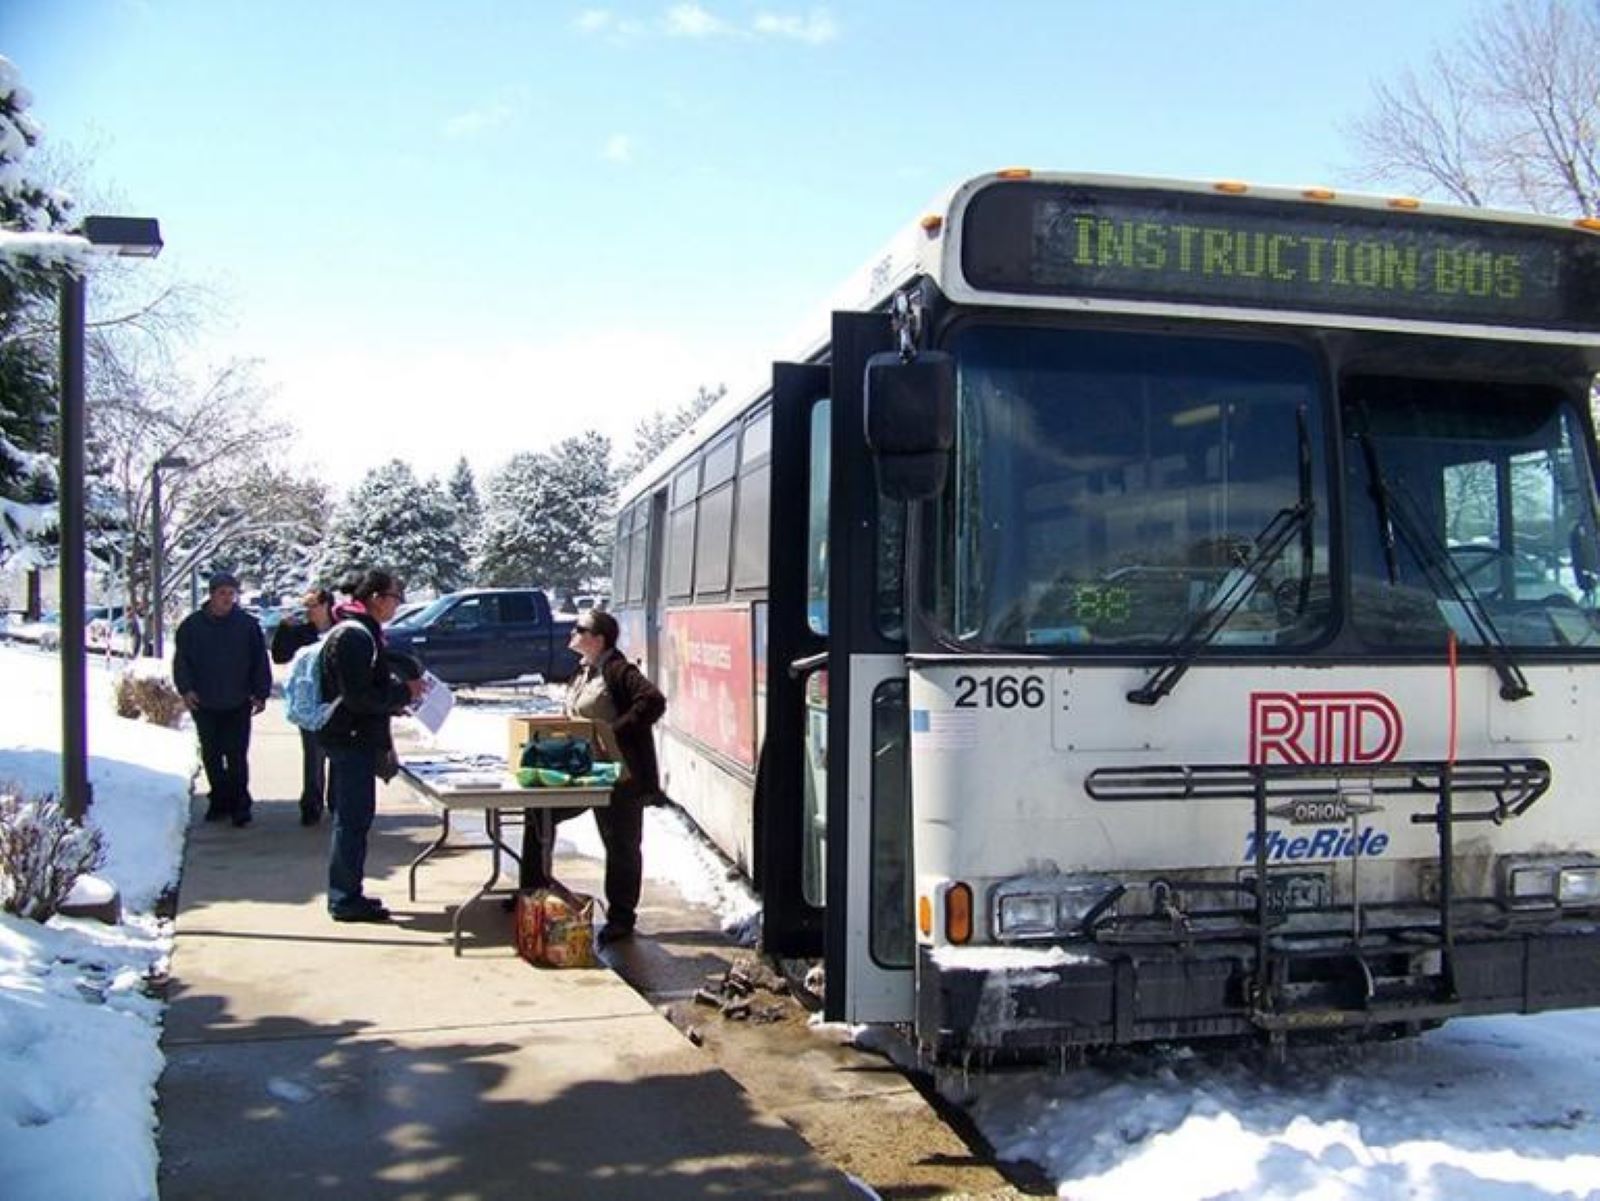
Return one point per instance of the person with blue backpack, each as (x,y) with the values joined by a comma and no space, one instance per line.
(290,637)
(361,691)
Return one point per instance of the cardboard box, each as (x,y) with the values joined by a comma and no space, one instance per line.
(523,726)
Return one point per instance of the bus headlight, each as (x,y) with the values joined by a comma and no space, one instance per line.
(1532,886)
(1546,882)
(1578,886)
(1053,906)
(1025,914)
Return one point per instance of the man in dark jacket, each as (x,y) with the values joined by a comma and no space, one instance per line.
(220,668)
(357,672)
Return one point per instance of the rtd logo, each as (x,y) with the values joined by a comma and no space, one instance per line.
(1324,727)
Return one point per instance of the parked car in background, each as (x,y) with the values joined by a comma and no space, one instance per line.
(271,616)
(406,613)
(44,633)
(487,634)
(110,635)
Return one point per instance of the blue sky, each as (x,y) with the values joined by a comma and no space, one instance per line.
(479,226)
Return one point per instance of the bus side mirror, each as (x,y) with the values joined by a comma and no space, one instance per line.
(911,422)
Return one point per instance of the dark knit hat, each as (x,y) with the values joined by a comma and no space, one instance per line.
(222,579)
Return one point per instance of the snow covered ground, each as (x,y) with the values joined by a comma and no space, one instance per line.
(1485,1108)
(1489,1108)
(79,1038)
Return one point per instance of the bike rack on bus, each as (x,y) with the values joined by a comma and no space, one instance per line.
(1511,787)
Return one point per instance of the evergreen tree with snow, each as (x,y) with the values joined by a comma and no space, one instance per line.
(463,490)
(28,287)
(280,554)
(655,433)
(547,519)
(394,521)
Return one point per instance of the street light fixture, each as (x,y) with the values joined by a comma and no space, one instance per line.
(158,553)
(136,237)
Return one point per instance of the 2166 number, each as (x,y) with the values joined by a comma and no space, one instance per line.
(999,692)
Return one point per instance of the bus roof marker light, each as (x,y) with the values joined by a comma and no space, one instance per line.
(932,224)
(1231,187)
(1015,173)
(1408,203)
(1592,224)
(1319,194)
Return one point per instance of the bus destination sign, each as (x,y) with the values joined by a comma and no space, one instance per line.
(1196,248)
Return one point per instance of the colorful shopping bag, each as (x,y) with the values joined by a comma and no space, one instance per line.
(555,928)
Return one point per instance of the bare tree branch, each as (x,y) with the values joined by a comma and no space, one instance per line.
(1510,114)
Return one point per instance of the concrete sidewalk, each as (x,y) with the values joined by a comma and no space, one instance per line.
(312,1059)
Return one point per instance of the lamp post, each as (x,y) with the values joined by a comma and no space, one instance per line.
(158,553)
(138,237)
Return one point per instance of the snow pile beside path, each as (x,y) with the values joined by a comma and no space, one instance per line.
(79,1036)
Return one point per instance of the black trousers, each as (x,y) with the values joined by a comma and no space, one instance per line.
(313,773)
(225,754)
(621,825)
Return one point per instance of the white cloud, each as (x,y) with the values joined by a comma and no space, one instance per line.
(692,21)
(602,22)
(618,149)
(815,28)
(496,114)
(470,124)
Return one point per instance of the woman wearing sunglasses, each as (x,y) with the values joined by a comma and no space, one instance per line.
(607,688)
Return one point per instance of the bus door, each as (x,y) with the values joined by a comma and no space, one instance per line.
(832,807)
(791,778)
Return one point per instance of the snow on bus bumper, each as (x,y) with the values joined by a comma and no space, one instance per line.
(1006,1001)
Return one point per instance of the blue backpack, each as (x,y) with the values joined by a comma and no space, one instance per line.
(303,705)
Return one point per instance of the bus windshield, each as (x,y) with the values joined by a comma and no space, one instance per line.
(1469,501)
(1108,487)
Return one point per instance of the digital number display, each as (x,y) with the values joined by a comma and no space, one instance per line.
(1192,247)
(1101,604)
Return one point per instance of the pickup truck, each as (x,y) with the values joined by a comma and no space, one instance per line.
(487,634)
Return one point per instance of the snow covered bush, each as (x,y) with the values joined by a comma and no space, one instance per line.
(143,689)
(42,853)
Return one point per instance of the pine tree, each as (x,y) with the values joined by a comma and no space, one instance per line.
(548,516)
(463,490)
(394,521)
(281,559)
(27,285)
(655,433)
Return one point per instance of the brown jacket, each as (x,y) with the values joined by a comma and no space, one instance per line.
(639,705)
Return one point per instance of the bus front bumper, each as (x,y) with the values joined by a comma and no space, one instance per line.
(1116,996)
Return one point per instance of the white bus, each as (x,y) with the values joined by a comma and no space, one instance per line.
(1154,610)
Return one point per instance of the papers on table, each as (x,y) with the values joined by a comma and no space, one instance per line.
(458,772)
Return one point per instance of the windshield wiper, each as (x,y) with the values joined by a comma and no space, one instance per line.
(1240,582)
(1236,588)
(1397,511)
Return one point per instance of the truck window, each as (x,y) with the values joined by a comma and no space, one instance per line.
(518,607)
(469,614)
